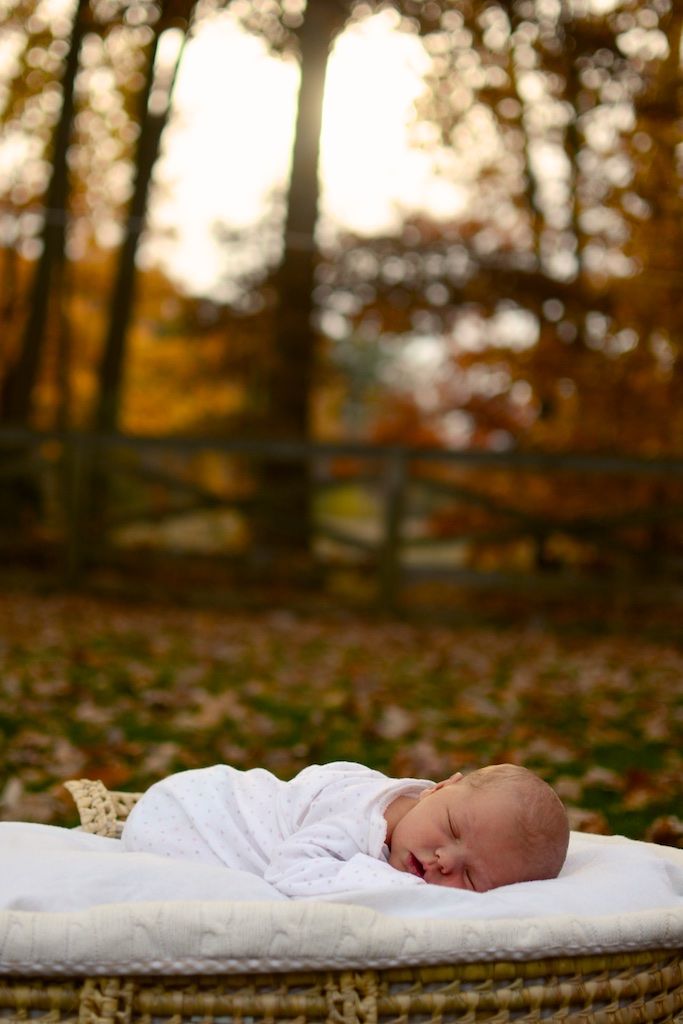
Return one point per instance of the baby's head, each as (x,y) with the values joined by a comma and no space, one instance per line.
(495,826)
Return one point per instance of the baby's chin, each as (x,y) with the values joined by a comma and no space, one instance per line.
(446,882)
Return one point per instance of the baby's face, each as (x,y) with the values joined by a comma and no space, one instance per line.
(461,837)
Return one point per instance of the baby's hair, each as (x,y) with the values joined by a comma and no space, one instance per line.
(543,824)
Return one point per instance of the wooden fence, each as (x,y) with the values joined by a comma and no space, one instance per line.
(495,519)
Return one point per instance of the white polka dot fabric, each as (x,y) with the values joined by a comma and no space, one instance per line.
(322,833)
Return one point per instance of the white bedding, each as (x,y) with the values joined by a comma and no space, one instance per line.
(57,869)
(180,917)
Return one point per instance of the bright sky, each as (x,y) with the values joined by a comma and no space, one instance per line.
(230,143)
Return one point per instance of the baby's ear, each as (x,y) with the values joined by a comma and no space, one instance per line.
(439,785)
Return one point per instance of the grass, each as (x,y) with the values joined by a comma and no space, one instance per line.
(129,693)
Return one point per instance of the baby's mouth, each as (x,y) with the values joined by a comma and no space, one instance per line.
(415,866)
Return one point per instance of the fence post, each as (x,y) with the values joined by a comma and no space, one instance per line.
(390,556)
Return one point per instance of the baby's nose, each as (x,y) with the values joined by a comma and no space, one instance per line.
(450,871)
(446,860)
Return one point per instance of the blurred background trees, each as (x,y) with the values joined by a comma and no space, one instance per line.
(521,292)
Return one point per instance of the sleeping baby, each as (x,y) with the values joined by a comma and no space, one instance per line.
(342,826)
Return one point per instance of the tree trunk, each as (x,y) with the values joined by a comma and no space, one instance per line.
(111,369)
(284,523)
(21,496)
(21,377)
(97,492)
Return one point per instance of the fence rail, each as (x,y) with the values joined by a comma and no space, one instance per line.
(610,518)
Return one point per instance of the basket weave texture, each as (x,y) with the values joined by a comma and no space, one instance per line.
(622,988)
(101,810)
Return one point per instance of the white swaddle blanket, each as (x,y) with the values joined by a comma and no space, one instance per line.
(322,832)
(72,903)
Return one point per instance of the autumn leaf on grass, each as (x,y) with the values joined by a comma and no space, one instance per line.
(569,789)
(641,790)
(10,798)
(548,749)
(395,722)
(422,760)
(656,726)
(87,712)
(667,830)
(334,698)
(598,777)
(160,759)
(478,705)
(583,820)
(212,710)
(113,765)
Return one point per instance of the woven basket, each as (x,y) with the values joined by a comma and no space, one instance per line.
(623,988)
